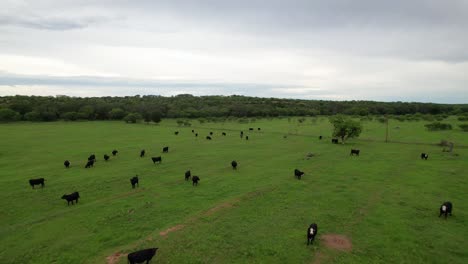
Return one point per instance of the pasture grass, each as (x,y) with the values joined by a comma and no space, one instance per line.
(386,201)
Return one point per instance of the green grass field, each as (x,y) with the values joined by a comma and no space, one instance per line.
(385,202)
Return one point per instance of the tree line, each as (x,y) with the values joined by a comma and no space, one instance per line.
(153,107)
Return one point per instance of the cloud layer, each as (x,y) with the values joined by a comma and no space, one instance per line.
(342,49)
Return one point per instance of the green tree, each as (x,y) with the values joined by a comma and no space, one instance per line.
(117,113)
(132,118)
(156,117)
(69,116)
(8,115)
(33,116)
(464,127)
(345,127)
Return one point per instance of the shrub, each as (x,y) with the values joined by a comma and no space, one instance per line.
(438,126)
(8,115)
(69,116)
(33,116)
(132,118)
(464,127)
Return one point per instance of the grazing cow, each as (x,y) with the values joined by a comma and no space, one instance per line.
(165,149)
(195,180)
(354,152)
(92,157)
(156,159)
(196,134)
(334,140)
(311,233)
(246,137)
(67,164)
(193,131)
(89,164)
(33,182)
(208,137)
(445,209)
(211,133)
(234,164)
(250,128)
(188,174)
(424,156)
(106,157)
(320,137)
(285,136)
(142,256)
(258,129)
(71,197)
(298,173)
(223,133)
(114,152)
(176,133)
(134,181)
(142,153)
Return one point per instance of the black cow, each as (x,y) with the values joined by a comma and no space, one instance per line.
(211,133)
(424,156)
(165,149)
(298,173)
(176,133)
(89,164)
(106,157)
(354,152)
(334,140)
(246,137)
(193,131)
(33,182)
(142,256)
(196,134)
(251,129)
(71,197)
(311,233)
(234,164)
(195,180)
(208,137)
(188,174)
(223,133)
(114,152)
(156,159)
(142,153)
(445,209)
(67,164)
(134,181)
(320,137)
(92,157)
(259,129)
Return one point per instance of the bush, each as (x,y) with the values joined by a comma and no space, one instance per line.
(464,127)
(132,118)
(438,126)
(117,114)
(33,116)
(463,118)
(8,115)
(69,116)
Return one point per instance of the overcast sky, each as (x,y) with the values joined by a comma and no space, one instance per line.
(397,50)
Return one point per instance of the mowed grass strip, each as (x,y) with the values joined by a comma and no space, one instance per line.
(385,201)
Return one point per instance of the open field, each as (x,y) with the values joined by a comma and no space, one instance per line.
(385,202)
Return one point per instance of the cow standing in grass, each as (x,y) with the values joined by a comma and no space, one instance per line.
(176,133)
(445,209)
(142,256)
(89,164)
(166,150)
(156,159)
(142,153)
(39,181)
(224,133)
(92,157)
(424,156)
(298,173)
(208,137)
(114,152)
(134,181)
(106,157)
(67,164)
(234,164)
(71,197)
(188,174)
(354,152)
(195,180)
(311,233)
